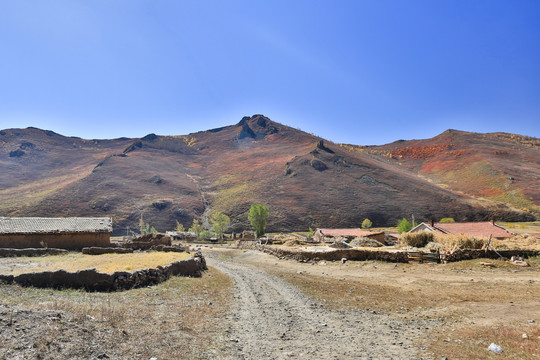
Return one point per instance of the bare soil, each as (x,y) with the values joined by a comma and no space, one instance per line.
(272,319)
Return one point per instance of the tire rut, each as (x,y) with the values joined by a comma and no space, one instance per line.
(272,319)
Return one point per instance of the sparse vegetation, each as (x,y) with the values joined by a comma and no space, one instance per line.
(257,217)
(367,224)
(145,228)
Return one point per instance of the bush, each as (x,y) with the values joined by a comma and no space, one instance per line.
(404,225)
(418,239)
(367,224)
(447,220)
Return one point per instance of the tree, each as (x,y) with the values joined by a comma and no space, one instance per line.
(367,224)
(257,217)
(179,227)
(404,226)
(153,230)
(220,223)
(144,228)
(447,220)
(196,227)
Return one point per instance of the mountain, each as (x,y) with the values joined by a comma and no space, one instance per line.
(306,181)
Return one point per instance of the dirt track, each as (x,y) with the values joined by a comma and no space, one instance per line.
(271,319)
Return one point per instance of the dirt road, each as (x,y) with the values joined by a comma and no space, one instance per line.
(271,319)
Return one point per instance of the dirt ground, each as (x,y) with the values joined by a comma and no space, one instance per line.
(381,310)
(251,305)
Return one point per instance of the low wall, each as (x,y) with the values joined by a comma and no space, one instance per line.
(470,254)
(69,241)
(31,252)
(332,255)
(105,250)
(92,280)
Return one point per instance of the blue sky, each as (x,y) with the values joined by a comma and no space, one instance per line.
(361,72)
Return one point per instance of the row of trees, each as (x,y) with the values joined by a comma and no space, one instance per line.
(257,216)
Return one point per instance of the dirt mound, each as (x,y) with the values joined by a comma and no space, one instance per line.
(365,242)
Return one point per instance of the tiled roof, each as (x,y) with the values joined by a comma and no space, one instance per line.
(485,228)
(348,232)
(33,225)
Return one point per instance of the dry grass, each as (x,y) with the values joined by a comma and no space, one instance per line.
(177,319)
(454,242)
(475,305)
(520,242)
(472,343)
(107,263)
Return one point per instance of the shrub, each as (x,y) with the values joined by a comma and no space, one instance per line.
(447,220)
(418,239)
(367,224)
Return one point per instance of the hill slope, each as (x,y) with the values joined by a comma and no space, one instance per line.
(304,180)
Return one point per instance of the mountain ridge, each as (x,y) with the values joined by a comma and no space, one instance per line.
(304,179)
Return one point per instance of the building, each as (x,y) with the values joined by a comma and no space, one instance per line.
(64,233)
(480,229)
(329,235)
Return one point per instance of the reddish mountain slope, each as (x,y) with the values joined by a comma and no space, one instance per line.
(304,181)
(498,166)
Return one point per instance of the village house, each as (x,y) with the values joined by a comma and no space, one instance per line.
(329,235)
(64,233)
(480,229)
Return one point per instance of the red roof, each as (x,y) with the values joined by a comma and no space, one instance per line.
(485,229)
(348,232)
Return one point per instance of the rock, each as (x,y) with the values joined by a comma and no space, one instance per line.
(524,336)
(517,260)
(490,265)
(495,348)
(16,153)
(531,321)
(318,165)
(343,260)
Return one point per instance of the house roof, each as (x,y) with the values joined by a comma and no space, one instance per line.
(37,225)
(484,228)
(348,232)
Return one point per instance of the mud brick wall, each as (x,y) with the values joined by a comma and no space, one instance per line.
(332,255)
(31,252)
(92,280)
(469,254)
(69,241)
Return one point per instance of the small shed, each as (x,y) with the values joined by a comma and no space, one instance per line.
(329,235)
(64,233)
(482,228)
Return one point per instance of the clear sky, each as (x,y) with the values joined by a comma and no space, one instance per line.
(361,72)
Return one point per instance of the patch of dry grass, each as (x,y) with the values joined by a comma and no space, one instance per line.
(472,343)
(177,319)
(107,263)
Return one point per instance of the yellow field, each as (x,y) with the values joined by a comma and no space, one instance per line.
(107,263)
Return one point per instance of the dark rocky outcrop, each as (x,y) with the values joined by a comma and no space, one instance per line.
(161,204)
(318,165)
(16,153)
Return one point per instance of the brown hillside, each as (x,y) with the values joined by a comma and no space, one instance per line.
(498,166)
(304,180)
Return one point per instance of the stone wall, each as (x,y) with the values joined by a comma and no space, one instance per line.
(31,252)
(469,254)
(92,280)
(332,255)
(69,241)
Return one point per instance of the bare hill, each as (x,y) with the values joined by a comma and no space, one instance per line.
(305,180)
